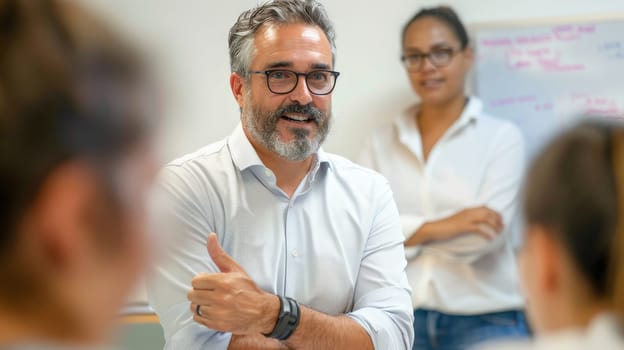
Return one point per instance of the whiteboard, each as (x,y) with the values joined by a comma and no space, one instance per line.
(545,77)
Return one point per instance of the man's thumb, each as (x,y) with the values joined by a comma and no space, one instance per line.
(224,262)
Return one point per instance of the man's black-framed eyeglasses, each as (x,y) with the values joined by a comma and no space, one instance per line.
(284,81)
(439,57)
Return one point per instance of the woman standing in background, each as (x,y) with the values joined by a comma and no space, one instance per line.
(572,262)
(455,173)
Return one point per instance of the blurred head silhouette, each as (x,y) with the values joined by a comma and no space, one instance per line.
(74,163)
(573,262)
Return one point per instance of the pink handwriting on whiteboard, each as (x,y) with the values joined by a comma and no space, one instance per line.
(518,59)
(504,42)
(544,58)
(514,100)
(565,32)
(497,42)
(587,28)
(504,101)
(534,39)
(543,106)
(596,105)
(569,32)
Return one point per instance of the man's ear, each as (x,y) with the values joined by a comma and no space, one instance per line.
(58,220)
(237,84)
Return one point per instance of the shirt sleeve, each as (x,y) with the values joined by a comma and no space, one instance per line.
(499,188)
(382,300)
(410,223)
(181,224)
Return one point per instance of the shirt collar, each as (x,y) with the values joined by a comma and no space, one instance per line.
(472,112)
(321,160)
(408,128)
(244,155)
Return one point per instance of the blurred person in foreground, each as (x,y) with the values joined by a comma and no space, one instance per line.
(308,250)
(572,262)
(74,161)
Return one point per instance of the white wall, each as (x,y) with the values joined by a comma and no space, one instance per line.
(188,41)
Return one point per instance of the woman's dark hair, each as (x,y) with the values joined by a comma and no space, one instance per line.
(575,189)
(68,90)
(442,13)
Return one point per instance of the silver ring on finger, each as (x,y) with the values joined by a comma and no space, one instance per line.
(198,310)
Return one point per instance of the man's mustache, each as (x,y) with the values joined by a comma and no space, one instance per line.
(307,110)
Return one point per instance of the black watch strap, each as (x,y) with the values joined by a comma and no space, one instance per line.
(287,319)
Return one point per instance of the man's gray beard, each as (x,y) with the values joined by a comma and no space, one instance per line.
(264,130)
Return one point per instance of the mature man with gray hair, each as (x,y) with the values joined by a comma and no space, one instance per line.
(307,250)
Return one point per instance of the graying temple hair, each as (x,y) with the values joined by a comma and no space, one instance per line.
(242,33)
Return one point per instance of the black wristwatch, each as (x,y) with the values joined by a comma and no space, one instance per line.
(287,319)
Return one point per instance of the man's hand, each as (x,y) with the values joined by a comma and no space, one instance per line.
(231,301)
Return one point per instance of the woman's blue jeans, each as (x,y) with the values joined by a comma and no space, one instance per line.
(439,331)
